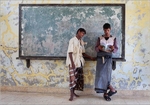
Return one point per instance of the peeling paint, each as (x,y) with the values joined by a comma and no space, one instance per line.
(134,74)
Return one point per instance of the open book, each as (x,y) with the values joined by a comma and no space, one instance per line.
(106,47)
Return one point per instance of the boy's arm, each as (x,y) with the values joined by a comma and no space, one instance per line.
(70,52)
(71,59)
(115,46)
(98,46)
(85,55)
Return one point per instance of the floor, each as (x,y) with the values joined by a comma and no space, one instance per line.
(21,98)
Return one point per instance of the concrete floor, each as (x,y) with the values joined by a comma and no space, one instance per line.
(22,98)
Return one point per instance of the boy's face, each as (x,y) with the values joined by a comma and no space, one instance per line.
(107,31)
(81,34)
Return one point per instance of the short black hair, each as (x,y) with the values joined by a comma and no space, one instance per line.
(106,26)
(81,30)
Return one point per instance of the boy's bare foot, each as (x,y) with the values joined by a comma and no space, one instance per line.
(71,98)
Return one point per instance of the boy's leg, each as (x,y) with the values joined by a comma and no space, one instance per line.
(111,88)
(112,91)
(71,95)
(74,93)
(72,83)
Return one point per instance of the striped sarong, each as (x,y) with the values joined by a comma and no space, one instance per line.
(76,79)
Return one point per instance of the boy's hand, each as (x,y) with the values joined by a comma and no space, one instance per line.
(100,47)
(93,58)
(111,47)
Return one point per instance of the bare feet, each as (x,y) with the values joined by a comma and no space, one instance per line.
(71,98)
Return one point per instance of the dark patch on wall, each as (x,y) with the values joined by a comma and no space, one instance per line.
(7,82)
(138,83)
(50,65)
(32,82)
(132,84)
(3,71)
(144,85)
(123,84)
(143,50)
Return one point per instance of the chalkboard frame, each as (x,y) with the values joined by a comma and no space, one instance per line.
(122,58)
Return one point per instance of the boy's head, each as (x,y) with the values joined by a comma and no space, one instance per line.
(107,28)
(81,32)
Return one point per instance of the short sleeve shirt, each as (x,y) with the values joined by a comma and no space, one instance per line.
(76,46)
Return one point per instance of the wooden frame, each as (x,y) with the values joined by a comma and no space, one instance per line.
(122,56)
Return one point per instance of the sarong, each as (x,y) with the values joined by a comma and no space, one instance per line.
(76,79)
(103,71)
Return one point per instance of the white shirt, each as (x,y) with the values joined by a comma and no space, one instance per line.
(106,43)
(77,48)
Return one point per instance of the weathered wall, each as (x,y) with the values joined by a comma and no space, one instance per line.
(134,74)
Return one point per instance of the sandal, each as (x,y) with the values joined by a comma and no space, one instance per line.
(107,98)
(110,93)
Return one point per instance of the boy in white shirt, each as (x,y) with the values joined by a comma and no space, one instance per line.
(75,62)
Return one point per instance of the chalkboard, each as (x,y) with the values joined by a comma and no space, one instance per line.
(45,29)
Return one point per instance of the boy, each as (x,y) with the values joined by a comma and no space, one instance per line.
(106,45)
(75,62)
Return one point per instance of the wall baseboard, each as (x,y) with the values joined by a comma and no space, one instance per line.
(53,90)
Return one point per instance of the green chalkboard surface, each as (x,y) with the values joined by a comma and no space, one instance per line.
(45,29)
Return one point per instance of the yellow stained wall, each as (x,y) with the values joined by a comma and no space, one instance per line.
(133,74)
